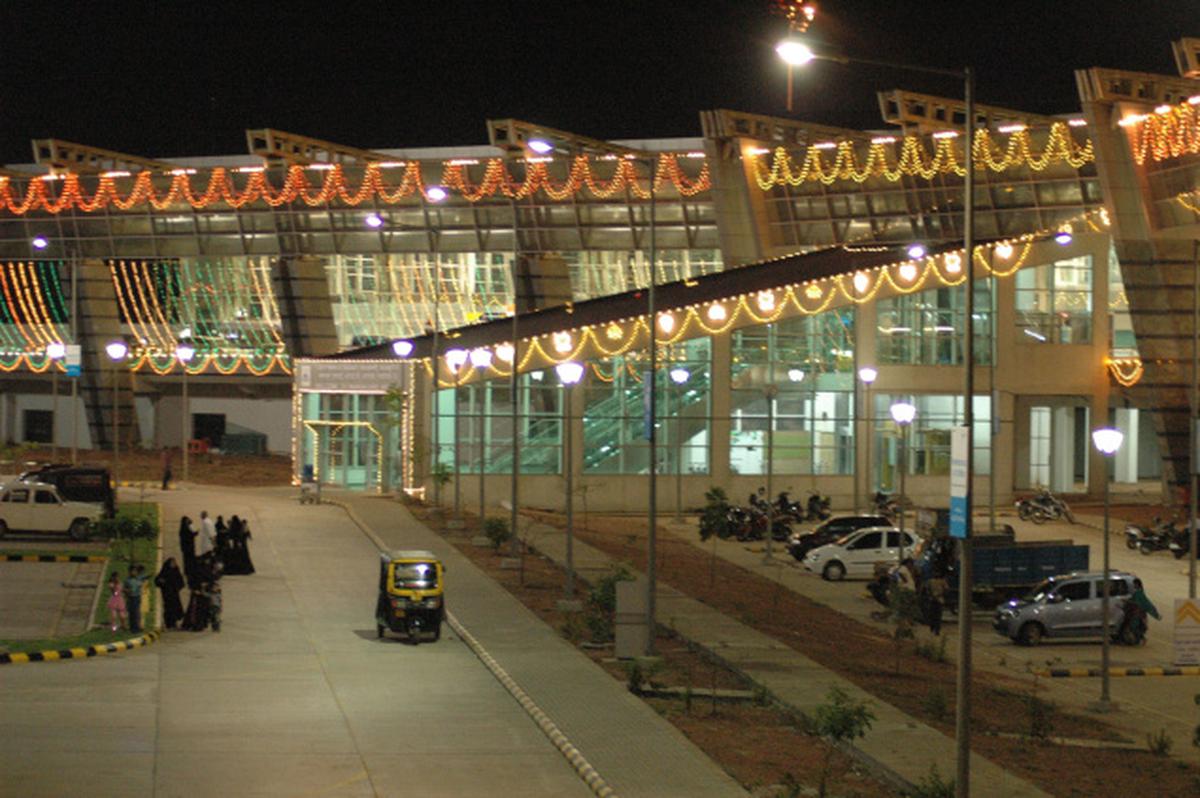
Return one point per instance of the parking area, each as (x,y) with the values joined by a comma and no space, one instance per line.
(46,599)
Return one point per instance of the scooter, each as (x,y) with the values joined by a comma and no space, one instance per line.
(1159,539)
(818,507)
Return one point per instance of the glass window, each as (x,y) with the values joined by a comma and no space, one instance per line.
(414,576)
(483,425)
(1075,591)
(614,418)
(870,540)
(795,380)
(926,328)
(928,442)
(1116,587)
(1054,302)
(1124,342)
(45,497)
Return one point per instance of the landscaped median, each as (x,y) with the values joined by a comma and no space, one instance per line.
(122,552)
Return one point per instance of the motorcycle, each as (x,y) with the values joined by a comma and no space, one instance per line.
(818,507)
(1179,544)
(1043,507)
(886,504)
(789,510)
(1135,534)
(1158,539)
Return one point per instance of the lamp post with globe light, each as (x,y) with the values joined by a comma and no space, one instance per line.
(903,414)
(117,350)
(795,51)
(184,353)
(55,351)
(569,374)
(1107,441)
(679,376)
(867,374)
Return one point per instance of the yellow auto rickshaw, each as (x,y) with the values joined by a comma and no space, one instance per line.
(411,597)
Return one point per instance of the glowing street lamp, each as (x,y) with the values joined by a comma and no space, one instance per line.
(373,220)
(540,146)
(402,348)
(184,353)
(116,350)
(1107,441)
(569,374)
(39,242)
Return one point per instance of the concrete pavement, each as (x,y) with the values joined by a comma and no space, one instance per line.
(295,696)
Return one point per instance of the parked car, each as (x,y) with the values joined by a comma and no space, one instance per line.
(77,483)
(856,554)
(38,507)
(801,543)
(1067,606)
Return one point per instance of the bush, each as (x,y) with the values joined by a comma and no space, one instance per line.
(841,720)
(932,786)
(496,530)
(715,518)
(126,527)
(932,651)
(935,704)
(1160,743)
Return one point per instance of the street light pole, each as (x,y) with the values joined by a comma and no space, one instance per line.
(184,353)
(796,52)
(55,352)
(116,351)
(651,385)
(903,414)
(867,374)
(569,373)
(1107,441)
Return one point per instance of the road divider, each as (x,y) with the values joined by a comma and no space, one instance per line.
(1078,673)
(97,650)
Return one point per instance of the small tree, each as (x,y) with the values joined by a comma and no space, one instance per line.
(715,519)
(496,530)
(123,527)
(903,613)
(602,603)
(841,719)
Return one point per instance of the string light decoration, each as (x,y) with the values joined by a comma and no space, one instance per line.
(915,161)
(759,307)
(1127,371)
(1170,132)
(221,189)
(32,315)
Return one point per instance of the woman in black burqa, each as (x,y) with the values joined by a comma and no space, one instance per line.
(187,547)
(237,556)
(170,582)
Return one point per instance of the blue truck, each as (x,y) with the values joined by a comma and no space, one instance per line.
(1002,567)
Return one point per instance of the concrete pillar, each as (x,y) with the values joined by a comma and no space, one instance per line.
(1062,448)
(1127,456)
(720,402)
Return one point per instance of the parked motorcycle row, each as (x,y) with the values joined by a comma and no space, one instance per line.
(750,522)
(1042,507)
(1160,536)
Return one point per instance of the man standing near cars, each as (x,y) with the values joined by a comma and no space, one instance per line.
(166,468)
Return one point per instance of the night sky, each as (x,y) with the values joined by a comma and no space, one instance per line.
(173,79)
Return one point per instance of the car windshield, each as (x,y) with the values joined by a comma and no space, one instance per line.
(1040,591)
(414,576)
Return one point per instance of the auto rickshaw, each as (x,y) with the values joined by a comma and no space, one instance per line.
(411,597)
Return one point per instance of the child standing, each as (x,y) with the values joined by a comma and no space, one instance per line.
(116,603)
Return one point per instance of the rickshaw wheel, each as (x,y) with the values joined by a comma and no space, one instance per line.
(379,631)
(437,631)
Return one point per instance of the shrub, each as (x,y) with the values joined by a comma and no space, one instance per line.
(496,530)
(935,704)
(931,650)
(932,786)
(1159,743)
(715,518)
(841,719)
(602,603)
(127,528)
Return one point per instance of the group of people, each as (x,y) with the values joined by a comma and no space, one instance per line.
(125,599)
(209,551)
(930,590)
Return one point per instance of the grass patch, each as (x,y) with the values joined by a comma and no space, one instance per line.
(145,552)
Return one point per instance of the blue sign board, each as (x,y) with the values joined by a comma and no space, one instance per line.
(958,516)
(959,526)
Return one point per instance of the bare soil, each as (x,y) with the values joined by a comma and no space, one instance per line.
(760,746)
(145,465)
(898,675)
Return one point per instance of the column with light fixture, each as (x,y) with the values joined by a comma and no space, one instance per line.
(481,360)
(1107,441)
(867,374)
(55,351)
(569,374)
(184,353)
(679,377)
(117,350)
(903,414)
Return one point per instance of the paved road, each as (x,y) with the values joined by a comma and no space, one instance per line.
(293,697)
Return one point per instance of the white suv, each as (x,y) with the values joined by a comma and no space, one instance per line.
(856,554)
(37,507)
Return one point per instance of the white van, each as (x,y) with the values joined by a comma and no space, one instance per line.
(37,507)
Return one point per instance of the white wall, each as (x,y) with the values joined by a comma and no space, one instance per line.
(12,421)
(272,417)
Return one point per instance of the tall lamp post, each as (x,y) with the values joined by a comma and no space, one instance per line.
(569,374)
(867,374)
(1107,441)
(679,376)
(796,52)
(903,414)
(184,353)
(116,351)
(56,351)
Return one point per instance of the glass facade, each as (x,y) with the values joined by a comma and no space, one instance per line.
(928,436)
(926,328)
(1054,302)
(350,439)
(480,432)
(615,410)
(792,393)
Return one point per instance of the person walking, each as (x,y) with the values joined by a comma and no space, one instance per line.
(170,581)
(133,596)
(117,616)
(935,592)
(214,605)
(166,468)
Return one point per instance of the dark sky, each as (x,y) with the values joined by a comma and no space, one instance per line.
(175,78)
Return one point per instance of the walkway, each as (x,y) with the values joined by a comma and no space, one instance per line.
(896,740)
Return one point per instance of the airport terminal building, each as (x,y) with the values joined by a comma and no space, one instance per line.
(365,310)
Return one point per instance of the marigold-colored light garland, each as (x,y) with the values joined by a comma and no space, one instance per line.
(1169,132)
(1127,371)
(335,187)
(915,161)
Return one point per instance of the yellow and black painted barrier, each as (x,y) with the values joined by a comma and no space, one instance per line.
(53,558)
(1075,673)
(126,483)
(98,650)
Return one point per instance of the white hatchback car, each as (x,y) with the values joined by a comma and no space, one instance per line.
(856,554)
(37,507)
